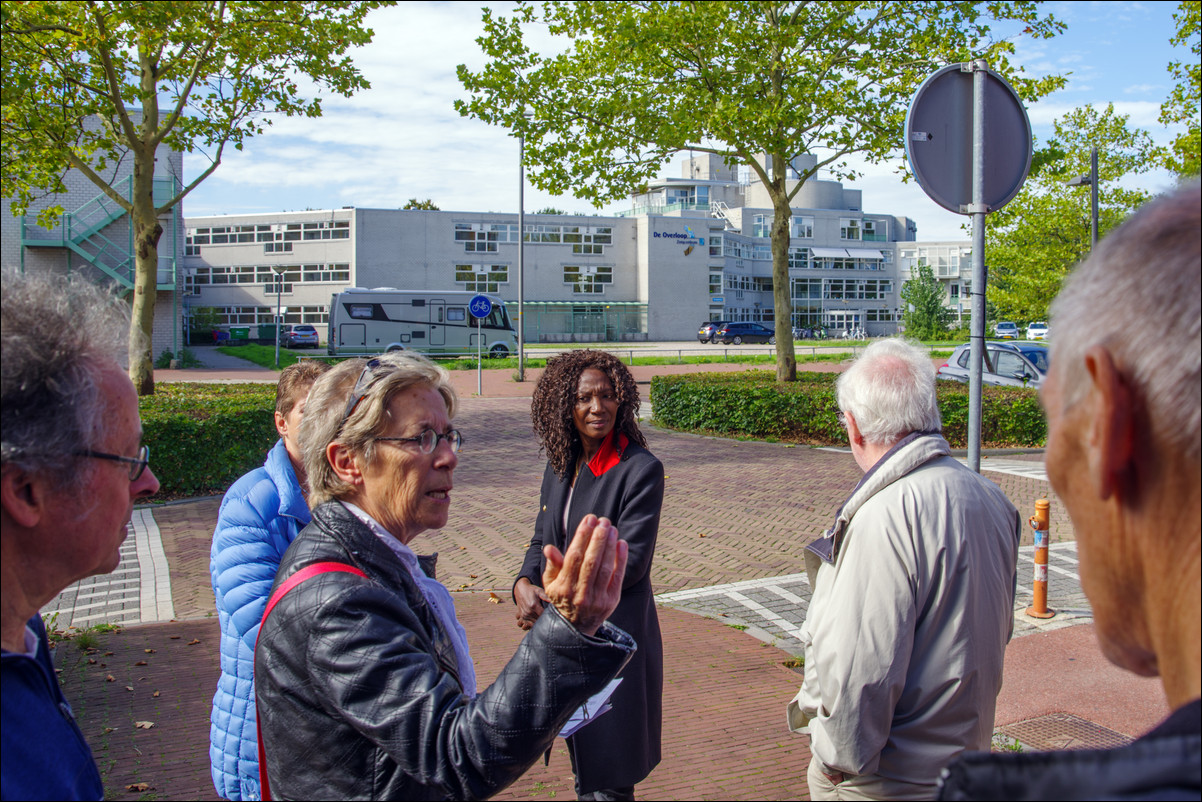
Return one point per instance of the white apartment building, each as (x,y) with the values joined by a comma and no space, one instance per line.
(690,249)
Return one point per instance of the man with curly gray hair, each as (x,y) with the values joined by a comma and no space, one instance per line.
(73,466)
(913,596)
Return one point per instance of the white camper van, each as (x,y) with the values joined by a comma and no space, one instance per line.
(384,319)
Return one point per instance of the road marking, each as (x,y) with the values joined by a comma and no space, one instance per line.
(762,611)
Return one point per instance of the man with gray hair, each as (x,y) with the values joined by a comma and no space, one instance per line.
(1124,406)
(73,465)
(913,596)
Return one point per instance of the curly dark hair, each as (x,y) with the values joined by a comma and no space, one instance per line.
(555,398)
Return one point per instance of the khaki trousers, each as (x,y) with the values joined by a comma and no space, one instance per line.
(863,786)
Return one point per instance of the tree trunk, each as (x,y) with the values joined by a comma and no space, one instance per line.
(146,267)
(146,234)
(786,358)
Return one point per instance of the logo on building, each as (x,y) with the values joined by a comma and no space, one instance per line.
(689,238)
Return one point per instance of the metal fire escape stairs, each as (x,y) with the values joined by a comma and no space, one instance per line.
(83,232)
(720,211)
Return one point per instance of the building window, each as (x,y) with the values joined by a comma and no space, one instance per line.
(802,227)
(715,244)
(849,228)
(799,258)
(588,279)
(875,231)
(482,278)
(277,247)
(715,283)
(762,226)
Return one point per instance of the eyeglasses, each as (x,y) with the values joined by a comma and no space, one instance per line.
(427,441)
(359,392)
(136,466)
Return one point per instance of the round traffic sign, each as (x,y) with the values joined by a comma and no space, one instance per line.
(939,139)
(480,306)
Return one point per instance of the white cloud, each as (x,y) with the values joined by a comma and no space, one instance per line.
(402,138)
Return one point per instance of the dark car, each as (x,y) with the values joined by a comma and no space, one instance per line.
(300,336)
(1006,364)
(739,333)
(709,330)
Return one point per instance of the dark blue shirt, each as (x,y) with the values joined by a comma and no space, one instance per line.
(44,755)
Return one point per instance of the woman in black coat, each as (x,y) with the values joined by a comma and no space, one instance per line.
(584,412)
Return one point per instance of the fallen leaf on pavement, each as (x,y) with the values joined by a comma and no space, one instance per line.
(129,688)
(175,637)
(194,641)
(107,730)
(494,598)
(138,787)
(149,651)
(110,678)
(91,661)
(108,654)
(155,694)
(144,725)
(141,663)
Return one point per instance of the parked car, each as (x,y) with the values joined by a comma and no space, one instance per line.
(1037,330)
(739,333)
(1005,330)
(1018,364)
(709,330)
(299,336)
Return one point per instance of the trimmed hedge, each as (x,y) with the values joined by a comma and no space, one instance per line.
(202,437)
(753,404)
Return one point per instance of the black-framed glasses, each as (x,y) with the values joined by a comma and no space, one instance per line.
(136,465)
(359,391)
(427,441)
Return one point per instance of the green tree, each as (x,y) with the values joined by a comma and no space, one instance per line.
(427,205)
(1183,106)
(1035,240)
(87,85)
(637,82)
(550,210)
(925,316)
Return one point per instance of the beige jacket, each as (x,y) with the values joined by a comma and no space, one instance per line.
(908,625)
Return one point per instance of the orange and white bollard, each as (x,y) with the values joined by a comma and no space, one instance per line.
(1039,522)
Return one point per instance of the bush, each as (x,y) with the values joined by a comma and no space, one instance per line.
(202,437)
(753,404)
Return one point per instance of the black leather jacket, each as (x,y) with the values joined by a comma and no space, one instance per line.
(358,692)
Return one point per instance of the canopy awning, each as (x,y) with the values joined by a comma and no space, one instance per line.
(829,253)
(864,253)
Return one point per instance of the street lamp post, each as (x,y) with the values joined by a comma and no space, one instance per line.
(1090,180)
(279,292)
(521,257)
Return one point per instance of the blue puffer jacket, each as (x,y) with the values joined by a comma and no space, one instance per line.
(260,516)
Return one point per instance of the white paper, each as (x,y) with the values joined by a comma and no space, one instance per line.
(597,704)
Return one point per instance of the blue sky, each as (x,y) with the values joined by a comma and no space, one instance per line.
(402,139)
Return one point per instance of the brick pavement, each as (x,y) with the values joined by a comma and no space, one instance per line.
(733,511)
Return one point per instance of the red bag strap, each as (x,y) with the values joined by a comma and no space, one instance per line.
(308,572)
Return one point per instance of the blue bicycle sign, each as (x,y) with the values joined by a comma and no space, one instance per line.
(480,306)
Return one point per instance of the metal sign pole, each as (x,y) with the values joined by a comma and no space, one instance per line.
(479,359)
(978,210)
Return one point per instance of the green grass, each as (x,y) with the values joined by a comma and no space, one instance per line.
(264,356)
(261,355)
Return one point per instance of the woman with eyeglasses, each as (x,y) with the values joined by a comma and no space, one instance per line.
(260,515)
(363,675)
(585,411)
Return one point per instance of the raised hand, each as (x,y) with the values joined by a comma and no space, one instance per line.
(586,583)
